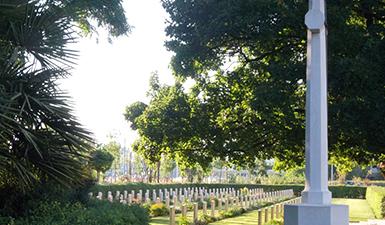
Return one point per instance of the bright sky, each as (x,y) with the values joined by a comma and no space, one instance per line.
(109,77)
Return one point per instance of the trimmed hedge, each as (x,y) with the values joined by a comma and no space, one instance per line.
(375,196)
(337,191)
(348,192)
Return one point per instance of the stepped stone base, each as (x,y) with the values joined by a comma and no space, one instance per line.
(309,214)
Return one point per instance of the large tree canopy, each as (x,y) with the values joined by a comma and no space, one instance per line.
(169,125)
(40,139)
(248,60)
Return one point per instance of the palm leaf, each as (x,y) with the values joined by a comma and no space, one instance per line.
(40,138)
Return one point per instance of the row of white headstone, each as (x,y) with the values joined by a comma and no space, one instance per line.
(272,212)
(176,196)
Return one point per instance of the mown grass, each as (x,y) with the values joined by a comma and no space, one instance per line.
(359,210)
(163,220)
(249,218)
(245,218)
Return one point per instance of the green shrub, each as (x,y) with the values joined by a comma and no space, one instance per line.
(184,221)
(231,213)
(348,192)
(117,214)
(95,213)
(7,220)
(158,209)
(244,191)
(147,206)
(55,213)
(375,196)
(206,219)
(275,222)
(190,206)
(289,178)
(201,222)
(17,204)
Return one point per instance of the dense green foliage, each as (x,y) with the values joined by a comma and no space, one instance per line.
(337,191)
(53,205)
(183,220)
(247,59)
(113,148)
(93,213)
(168,113)
(375,196)
(292,176)
(43,148)
(348,192)
(40,139)
(275,222)
(133,111)
(158,209)
(206,219)
(17,204)
(233,212)
(101,161)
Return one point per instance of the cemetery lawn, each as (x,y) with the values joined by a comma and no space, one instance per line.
(246,218)
(359,209)
(165,220)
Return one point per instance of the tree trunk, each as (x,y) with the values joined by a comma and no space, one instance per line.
(130,167)
(115,173)
(190,176)
(145,175)
(150,176)
(98,176)
(220,175)
(158,172)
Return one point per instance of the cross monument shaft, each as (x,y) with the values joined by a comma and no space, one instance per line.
(316,139)
(316,207)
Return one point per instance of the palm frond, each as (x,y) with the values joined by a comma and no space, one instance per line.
(41,35)
(41,138)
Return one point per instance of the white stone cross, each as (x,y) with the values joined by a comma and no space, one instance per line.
(316,145)
(316,208)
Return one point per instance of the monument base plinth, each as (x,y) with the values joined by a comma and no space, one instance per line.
(309,214)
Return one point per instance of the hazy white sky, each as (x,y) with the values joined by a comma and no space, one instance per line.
(109,77)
